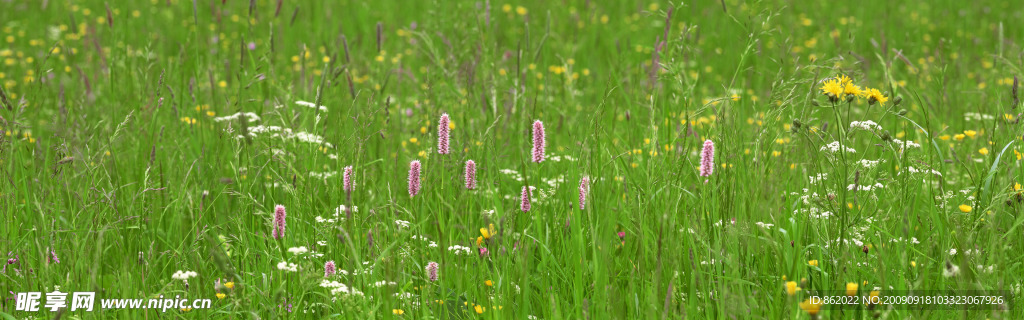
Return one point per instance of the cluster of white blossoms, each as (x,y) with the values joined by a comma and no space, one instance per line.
(868,164)
(818,178)
(286,266)
(287,134)
(251,116)
(460,250)
(184,275)
(865,125)
(834,147)
(915,170)
(298,250)
(311,105)
(338,288)
(904,144)
(867,187)
(402,223)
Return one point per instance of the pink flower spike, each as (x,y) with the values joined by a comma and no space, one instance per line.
(442,134)
(538,141)
(329,268)
(525,205)
(584,190)
(707,159)
(414,178)
(348,180)
(279,222)
(470,174)
(432,271)
(483,252)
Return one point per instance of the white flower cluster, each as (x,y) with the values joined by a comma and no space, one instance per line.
(402,223)
(460,250)
(286,266)
(913,240)
(431,244)
(977,116)
(184,275)
(311,105)
(382,283)
(287,134)
(865,125)
(818,178)
(339,288)
(250,115)
(868,164)
(298,250)
(764,225)
(904,144)
(868,187)
(915,170)
(513,173)
(834,147)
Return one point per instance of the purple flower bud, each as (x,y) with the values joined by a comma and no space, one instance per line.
(470,174)
(584,189)
(329,268)
(442,134)
(707,159)
(348,179)
(538,141)
(279,222)
(414,178)
(525,197)
(432,271)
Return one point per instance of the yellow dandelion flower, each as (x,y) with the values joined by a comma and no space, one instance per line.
(983,151)
(874,96)
(397,311)
(844,80)
(965,208)
(832,88)
(229,285)
(851,89)
(489,283)
(812,308)
(792,288)
(813,263)
(479,309)
(851,288)
(970,133)
(221,296)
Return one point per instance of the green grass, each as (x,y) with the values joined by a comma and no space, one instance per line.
(111,157)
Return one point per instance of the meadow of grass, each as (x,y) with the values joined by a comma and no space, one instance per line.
(202,149)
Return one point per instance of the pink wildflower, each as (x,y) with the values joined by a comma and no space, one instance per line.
(584,190)
(329,268)
(279,222)
(525,206)
(470,174)
(538,141)
(348,180)
(414,178)
(442,134)
(432,271)
(707,159)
